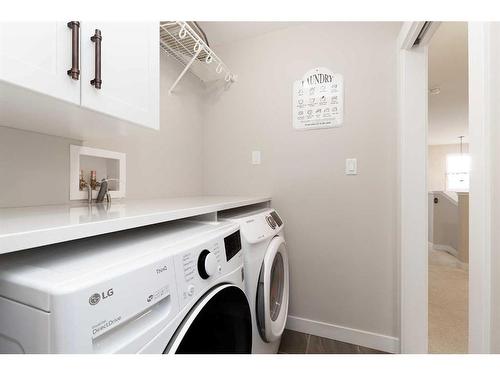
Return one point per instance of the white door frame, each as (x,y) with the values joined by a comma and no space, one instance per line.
(412,151)
(480,197)
(413,204)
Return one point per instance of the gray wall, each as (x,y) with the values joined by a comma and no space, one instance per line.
(341,230)
(34,168)
(445,221)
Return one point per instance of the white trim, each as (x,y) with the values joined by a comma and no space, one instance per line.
(345,334)
(480,197)
(74,187)
(446,248)
(410,31)
(413,194)
(408,34)
(426,39)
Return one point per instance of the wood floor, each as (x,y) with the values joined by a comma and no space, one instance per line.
(294,342)
(448,315)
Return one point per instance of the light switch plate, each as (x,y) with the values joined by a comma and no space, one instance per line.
(351,166)
(255,157)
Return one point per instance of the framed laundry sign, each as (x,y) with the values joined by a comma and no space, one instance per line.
(318,100)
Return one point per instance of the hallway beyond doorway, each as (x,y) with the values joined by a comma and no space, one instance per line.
(448,304)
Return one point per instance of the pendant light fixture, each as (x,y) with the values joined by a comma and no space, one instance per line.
(462,179)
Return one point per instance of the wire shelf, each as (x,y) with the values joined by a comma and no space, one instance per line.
(180,41)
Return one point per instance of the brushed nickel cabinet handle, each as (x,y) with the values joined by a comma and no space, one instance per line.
(97,39)
(74,72)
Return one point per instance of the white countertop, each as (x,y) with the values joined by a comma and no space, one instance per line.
(28,227)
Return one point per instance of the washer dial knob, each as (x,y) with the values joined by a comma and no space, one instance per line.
(207,264)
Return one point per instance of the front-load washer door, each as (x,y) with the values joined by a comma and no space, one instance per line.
(220,323)
(272,291)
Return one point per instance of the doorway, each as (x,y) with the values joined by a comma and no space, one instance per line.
(448,177)
(413,44)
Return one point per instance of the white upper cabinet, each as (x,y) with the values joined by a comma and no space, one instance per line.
(37,56)
(129,70)
(34,62)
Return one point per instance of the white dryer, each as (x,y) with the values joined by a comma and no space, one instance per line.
(169,288)
(267,274)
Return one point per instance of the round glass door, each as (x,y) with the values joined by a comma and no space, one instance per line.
(220,323)
(272,291)
(276,287)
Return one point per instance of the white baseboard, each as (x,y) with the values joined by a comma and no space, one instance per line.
(447,248)
(452,251)
(353,336)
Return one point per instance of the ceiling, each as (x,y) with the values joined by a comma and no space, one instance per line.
(229,32)
(448,110)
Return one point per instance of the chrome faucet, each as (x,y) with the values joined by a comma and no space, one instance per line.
(104,190)
(85,184)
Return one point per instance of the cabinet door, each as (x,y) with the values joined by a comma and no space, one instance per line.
(37,55)
(129,71)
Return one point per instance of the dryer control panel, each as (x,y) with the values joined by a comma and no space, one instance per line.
(260,226)
(200,267)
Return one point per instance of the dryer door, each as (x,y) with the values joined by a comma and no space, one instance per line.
(272,291)
(220,322)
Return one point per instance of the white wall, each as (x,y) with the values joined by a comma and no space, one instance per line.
(448,110)
(341,230)
(494,111)
(34,168)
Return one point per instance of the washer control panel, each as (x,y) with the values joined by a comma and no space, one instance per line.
(207,264)
(260,226)
(199,268)
(271,222)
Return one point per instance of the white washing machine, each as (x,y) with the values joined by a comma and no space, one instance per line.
(170,288)
(267,274)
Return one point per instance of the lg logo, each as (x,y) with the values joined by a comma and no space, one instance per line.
(96,297)
(160,270)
